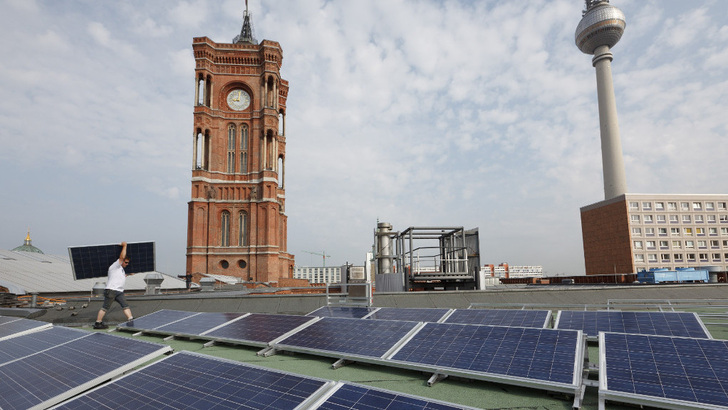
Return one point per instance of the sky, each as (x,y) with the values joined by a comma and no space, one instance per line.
(475,114)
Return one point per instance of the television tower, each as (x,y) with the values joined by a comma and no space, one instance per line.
(599,30)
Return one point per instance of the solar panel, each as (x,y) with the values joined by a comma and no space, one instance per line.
(189,380)
(155,320)
(94,261)
(257,329)
(651,323)
(356,396)
(52,375)
(343,336)
(412,314)
(198,324)
(541,356)
(663,371)
(20,326)
(342,311)
(501,317)
(31,343)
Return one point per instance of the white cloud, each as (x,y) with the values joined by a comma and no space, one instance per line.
(414,112)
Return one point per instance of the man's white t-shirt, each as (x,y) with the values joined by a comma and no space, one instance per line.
(117,277)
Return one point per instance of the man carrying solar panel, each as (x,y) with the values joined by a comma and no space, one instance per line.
(115,289)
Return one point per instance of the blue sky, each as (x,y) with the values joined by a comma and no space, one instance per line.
(418,113)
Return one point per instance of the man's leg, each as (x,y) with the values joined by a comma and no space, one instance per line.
(127,312)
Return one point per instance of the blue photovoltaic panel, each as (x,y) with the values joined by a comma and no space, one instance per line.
(412,314)
(540,354)
(342,311)
(18,326)
(94,261)
(156,319)
(371,338)
(648,323)
(49,376)
(32,343)
(7,319)
(188,380)
(662,369)
(354,396)
(199,323)
(258,328)
(500,317)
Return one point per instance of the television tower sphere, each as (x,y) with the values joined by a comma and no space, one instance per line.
(602,25)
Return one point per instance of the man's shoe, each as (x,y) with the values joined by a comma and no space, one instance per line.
(100,325)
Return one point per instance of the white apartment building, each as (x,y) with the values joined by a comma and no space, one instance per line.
(633,232)
(504,270)
(318,274)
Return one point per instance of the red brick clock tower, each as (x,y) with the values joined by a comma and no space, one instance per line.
(236,218)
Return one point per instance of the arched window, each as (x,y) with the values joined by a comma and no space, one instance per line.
(243,231)
(281,172)
(244,148)
(231,149)
(225,229)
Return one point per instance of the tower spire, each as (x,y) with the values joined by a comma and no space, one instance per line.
(246,33)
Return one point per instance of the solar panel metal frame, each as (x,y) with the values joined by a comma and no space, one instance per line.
(343,384)
(133,325)
(407,314)
(20,326)
(249,342)
(325,387)
(93,261)
(81,387)
(595,337)
(164,330)
(544,325)
(369,310)
(641,399)
(573,388)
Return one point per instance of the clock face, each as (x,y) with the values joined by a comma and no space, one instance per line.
(238,99)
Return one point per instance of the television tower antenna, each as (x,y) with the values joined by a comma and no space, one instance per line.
(600,28)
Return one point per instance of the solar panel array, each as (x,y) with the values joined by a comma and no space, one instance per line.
(15,326)
(650,323)
(190,380)
(501,317)
(523,353)
(663,371)
(43,368)
(94,261)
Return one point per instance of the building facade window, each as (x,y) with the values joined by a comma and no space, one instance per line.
(697,206)
(684,206)
(648,219)
(686,219)
(672,206)
(678,257)
(646,206)
(709,206)
(650,244)
(659,206)
(721,206)
(639,258)
(638,244)
(244,148)
(698,219)
(225,229)
(635,219)
(676,244)
(634,205)
(662,231)
(649,231)
(673,219)
(231,149)
(689,245)
(711,219)
(243,228)
(661,219)
(664,245)
(674,231)
(638,231)
(651,257)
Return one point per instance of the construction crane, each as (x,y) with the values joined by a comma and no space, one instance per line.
(322,254)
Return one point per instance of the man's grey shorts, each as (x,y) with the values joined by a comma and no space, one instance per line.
(111,296)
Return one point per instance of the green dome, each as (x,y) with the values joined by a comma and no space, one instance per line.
(27,246)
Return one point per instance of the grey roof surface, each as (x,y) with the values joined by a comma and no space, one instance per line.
(25,272)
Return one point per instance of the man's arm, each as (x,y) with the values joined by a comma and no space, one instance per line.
(122,255)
